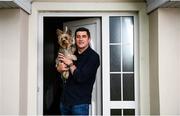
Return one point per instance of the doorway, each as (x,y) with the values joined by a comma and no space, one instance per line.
(117,90)
(50,80)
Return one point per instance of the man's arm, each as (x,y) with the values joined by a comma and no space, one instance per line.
(88,70)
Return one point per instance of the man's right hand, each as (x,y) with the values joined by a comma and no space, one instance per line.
(61,67)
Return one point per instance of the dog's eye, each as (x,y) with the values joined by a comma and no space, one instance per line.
(66,38)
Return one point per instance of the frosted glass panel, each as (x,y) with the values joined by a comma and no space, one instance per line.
(115,30)
(129,112)
(127,39)
(116,112)
(128,87)
(115,84)
(128,58)
(115,58)
(127,30)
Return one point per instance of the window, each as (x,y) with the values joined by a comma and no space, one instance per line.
(122,87)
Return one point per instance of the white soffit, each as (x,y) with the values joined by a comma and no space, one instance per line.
(24,4)
(154,4)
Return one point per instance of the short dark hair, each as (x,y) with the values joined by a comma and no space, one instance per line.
(83,29)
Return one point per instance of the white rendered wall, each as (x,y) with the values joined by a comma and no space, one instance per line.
(9,43)
(24,18)
(169,61)
(165,61)
(13,75)
(154,63)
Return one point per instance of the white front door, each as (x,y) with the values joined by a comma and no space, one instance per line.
(93,24)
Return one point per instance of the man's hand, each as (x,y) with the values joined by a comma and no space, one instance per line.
(61,67)
(64,59)
(66,62)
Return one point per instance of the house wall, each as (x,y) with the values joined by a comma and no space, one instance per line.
(153,62)
(13,59)
(165,57)
(24,18)
(169,60)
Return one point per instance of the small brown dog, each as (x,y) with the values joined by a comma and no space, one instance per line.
(67,47)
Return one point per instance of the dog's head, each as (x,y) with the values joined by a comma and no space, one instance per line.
(65,39)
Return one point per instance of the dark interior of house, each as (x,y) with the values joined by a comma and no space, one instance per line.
(52,83)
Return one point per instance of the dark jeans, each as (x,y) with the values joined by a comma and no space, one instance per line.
(81,109)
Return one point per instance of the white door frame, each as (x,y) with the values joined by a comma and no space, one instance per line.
(107,105)
(88,9)
(97,92)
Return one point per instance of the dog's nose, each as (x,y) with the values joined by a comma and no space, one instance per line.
(64,41)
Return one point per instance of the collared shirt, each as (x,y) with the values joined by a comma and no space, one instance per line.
(78,87)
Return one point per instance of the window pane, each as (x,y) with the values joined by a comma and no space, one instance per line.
(127,38)
(128,58)
(115,30)
(129,112)
(127,29)
(115,84)
(115,58)
(116,112)
(128,87)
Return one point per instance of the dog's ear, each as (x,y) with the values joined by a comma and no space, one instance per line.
(67,30)
(59,32)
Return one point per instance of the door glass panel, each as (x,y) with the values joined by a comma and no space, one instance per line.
(115,84)
(115,58)
(115,27)
(128,87)
(129,112)
(127,40)
(127,29)
(128,58)
(116,112)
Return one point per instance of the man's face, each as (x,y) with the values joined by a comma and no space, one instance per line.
(82,40)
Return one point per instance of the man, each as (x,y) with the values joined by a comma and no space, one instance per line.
(77,90)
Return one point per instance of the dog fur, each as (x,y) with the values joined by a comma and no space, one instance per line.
(66,47)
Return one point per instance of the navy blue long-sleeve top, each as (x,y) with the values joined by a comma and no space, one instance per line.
(78,87)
